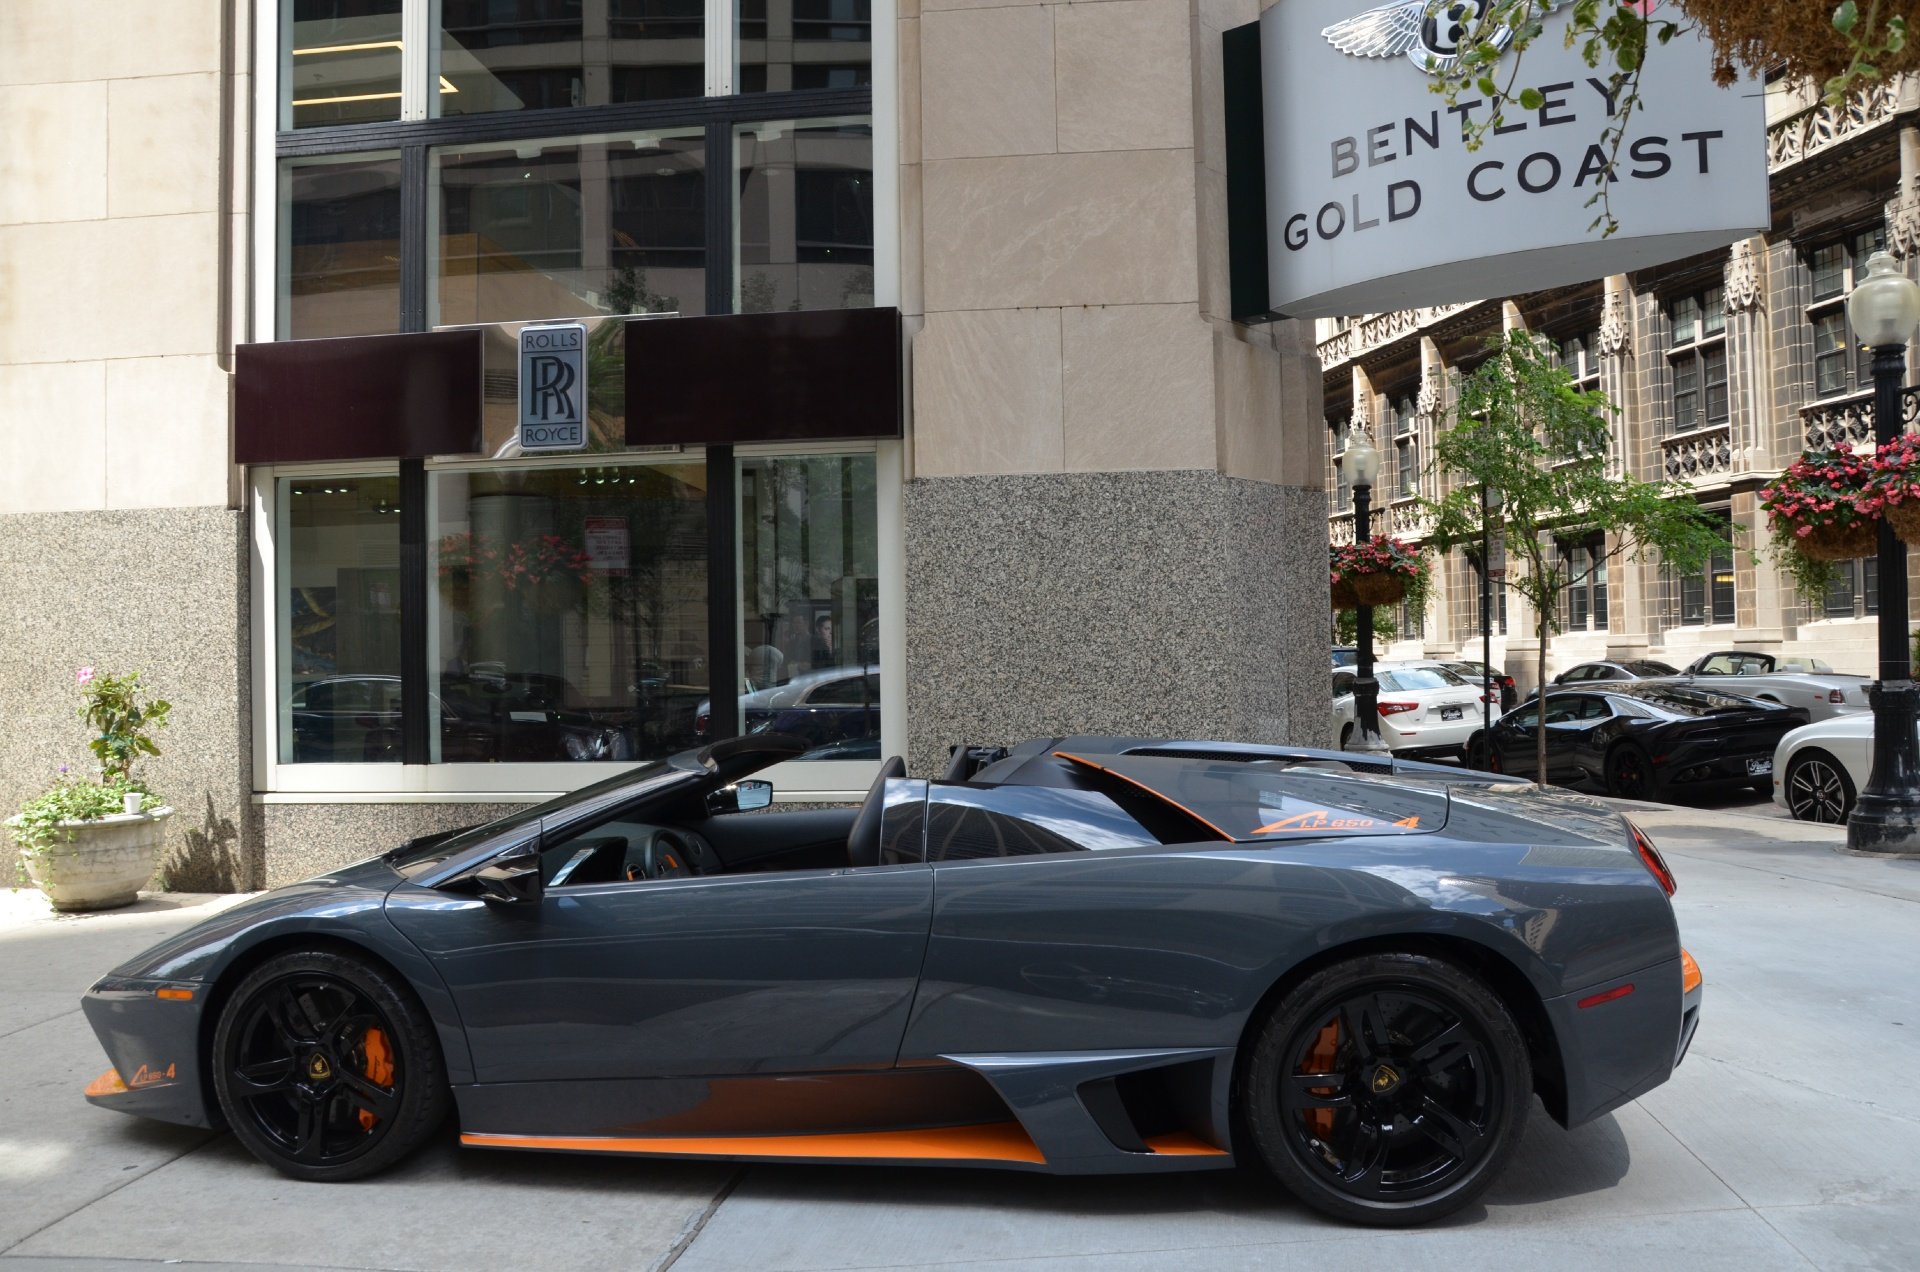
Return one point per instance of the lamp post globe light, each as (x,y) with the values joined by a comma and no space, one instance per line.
(1362,463)
(1490,501)
(1883,311)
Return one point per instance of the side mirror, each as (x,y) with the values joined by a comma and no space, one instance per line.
(741,797)
(514,877)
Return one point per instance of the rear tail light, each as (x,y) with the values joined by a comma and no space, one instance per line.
(1507,681)
(1397,708)
(1489,697)
(1655,863)
(1836,695)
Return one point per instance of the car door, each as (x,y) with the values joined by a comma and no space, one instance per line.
(1513,739)
(704,975)
(1566,725)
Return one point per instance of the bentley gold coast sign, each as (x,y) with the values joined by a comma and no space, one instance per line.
(1373,202)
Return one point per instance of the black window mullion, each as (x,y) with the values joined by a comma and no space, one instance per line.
(523,125)
(414,234)
(415,733)
(723,589)
(720,199)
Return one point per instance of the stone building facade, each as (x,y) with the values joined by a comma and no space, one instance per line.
(1724,368)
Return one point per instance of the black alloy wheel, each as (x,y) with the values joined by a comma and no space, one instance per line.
(1387,1090)
(1630,773)
(1818,789)
(326,1069)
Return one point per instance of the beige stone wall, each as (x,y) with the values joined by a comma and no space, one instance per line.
(121,218)
(1063,229)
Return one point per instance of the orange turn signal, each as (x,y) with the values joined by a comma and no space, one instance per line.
(1690,977)
(175,995)
(108,1083)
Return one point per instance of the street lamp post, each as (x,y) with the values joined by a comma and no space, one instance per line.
(1362,464)
(1884,310)
(1490,500)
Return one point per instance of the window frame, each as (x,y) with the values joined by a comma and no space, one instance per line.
(1694,354)
(1588,588)
(413,135)
(1858,377)
(1677,584)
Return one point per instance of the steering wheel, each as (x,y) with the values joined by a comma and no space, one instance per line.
(664,857)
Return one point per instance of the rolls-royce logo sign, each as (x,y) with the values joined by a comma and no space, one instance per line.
(553,387)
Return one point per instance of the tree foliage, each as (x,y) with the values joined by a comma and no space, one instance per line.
(1525,429)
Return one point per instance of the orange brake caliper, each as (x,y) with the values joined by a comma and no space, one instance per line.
(1326,1049)
(378,1068)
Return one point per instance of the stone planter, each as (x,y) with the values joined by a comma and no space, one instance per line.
(105,865)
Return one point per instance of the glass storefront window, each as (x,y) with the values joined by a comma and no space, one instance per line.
(339,620)
(795,44)
(568,618)
(498,55)
(339,62)
(569,227)
(810,602)
(339,268)
(805,231)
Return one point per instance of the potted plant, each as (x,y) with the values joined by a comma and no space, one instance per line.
(1820,507)
(91,844)
(1380,572)
(1893,486)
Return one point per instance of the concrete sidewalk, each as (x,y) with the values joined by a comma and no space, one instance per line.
(1789,1139)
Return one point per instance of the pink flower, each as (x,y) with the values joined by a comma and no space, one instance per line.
(1804,531)
(83,676)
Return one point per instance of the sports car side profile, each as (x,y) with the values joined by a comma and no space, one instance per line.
(1078,955)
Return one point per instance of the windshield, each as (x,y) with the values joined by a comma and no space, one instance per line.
(1647,667)
(415,856)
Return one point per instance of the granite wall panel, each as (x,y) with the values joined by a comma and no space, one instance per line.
(1179,603)
(303,840)
(159,591)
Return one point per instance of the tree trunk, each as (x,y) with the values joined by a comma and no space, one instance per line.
(1540,717)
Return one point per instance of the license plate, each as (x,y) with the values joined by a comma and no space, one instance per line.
(1450,713)
(1759,768)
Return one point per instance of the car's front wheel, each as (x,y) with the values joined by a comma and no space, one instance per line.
(1389,1089)
(326,1068)
(1818,789)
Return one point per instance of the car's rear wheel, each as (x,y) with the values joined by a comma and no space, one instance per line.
(1818,789)
(1630,773)
(325,1068)
(1389,1089)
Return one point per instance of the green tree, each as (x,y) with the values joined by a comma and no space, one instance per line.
(1346,626)
(1523,428)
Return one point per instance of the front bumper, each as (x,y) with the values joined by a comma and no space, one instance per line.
(150,1030)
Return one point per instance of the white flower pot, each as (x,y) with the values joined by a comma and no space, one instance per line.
(105,865)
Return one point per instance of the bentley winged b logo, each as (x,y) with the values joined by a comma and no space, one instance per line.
(1431,33)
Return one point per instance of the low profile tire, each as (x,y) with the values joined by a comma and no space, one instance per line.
(1630,773)
(1387,1090)
(1346,735)
(1818,789)
(326,1068)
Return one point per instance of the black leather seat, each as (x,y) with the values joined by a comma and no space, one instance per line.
(863,842)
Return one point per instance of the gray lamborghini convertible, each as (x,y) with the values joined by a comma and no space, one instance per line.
(1079,955)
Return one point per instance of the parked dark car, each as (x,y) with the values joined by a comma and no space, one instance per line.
(833,704)
(1641,739)
(1477,673)
(1081,955)
(483,719)
(1630,669)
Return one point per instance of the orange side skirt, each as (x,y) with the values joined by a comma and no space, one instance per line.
(994,1142)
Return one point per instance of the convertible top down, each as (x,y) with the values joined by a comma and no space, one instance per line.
(1077,955)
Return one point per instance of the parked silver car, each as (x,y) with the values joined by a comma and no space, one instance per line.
(1795,682)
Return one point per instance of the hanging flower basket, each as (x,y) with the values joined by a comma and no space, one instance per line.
(1823,508)
(1375,573)
(1894,486)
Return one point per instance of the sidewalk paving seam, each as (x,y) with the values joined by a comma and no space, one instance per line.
(211,1137)
(36,1024)
(1880,1110)
(1684,855)
(699,1224)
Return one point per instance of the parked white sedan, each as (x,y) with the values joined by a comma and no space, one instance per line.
(1425,709)
(1819,768)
